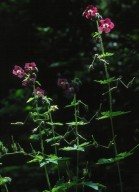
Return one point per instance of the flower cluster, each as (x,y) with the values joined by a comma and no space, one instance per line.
(105,25)
(69,88)
(28,74)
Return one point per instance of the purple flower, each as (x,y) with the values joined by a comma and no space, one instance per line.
(28,82)
(69,88)
(106,25)
(30,67)
(18,71)
(90,11)
(63,83)
(38,92)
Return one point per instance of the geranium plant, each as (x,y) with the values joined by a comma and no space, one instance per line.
(64,164)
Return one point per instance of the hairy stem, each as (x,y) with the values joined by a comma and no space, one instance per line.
(111,109)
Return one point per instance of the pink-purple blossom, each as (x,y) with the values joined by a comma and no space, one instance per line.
(30,67)
(106,25)
(63,83)
(18,71)
(38,92)
(90,12)
(69,88)
(28,82)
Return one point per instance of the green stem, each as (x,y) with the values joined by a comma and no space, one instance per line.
(6,188)
(111,109)
(77,138)
(53,132)
(42,148)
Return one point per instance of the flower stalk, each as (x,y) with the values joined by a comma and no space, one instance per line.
(110,107)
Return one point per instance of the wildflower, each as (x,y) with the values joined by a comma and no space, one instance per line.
(30,67)
(106,25)
(18,71)
(28,82)
(39,92)
(69,88)
(90,12)
(63,83)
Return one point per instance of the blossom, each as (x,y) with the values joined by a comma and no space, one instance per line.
(69,88)
(18,71)
(29,67)
(63,83)
(106,25)
(90,11)
(28,82)
(39,92)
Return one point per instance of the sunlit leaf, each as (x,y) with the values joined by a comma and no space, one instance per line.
(106,81)
(76,123)
(17,123)
(30,99)
(53,139)
(95,186)
(108,114)
(4,180)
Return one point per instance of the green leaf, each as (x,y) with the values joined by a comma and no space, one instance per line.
(37,158)
(18,123)
(37,82)
(95,186)
(74,148)
(34,137)
(107,54)
(30,99)
(52,158)
(76,123)
(55,123)
(4,180)
(119,157)
(96,34)
(53,139)
(108,114)
(61,187)
(106,81)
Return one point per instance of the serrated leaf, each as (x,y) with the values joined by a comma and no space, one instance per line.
(108,114)
(105,81)
(119,157)
(95,186)
(30,99)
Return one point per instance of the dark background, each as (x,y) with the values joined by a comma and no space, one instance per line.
(56,36)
